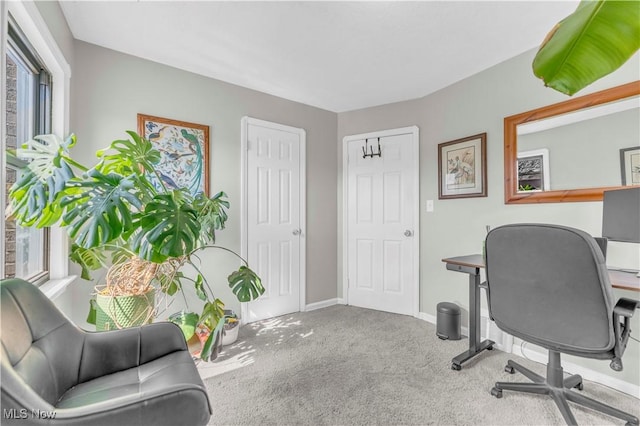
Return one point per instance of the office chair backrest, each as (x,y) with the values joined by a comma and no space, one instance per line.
(549,285)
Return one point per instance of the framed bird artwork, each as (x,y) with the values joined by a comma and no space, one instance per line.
(184,152)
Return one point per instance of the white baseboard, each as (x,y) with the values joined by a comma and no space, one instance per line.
(322,304)
(427,317)
(342,301)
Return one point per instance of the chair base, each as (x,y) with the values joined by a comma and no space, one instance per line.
(559,389)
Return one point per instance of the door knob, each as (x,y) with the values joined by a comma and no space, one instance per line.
(408,233)
(296,232)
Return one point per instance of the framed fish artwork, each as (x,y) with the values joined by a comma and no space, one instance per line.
(184,152)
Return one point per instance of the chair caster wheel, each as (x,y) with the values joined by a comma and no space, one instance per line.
(579,386)
(456,367)
(509,369)
(489,348)
(496,392)
(630,424)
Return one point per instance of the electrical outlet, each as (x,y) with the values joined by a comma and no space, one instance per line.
(429,206)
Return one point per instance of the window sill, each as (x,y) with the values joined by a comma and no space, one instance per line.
(54,288)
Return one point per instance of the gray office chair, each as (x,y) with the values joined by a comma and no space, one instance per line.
(54,373)
(548,285)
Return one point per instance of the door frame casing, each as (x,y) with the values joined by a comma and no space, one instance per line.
(244,215)
(414,131)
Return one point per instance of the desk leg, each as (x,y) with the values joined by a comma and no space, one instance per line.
(475,345)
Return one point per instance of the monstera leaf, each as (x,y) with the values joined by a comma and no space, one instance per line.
(45,153)
(99,207)
(168,228)
(213,317)
(34,197)
(199,288)
(208,349)
(245,284)
(187,321)
(212,215)
(590,43)
(33,203)
(88,259)
(131,156)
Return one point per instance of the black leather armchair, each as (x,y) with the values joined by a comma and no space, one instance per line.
(549,285)
(54,373)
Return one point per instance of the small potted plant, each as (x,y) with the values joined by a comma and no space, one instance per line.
(120,215)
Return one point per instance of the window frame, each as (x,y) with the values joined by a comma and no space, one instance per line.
(28,18)
(38,97)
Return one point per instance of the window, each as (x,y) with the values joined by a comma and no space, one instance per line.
(28,113)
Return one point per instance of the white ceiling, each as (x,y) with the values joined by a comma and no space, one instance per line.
(339,56)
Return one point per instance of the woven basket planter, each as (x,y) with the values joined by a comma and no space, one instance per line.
(114,312)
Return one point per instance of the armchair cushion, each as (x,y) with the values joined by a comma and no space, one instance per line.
(164,386)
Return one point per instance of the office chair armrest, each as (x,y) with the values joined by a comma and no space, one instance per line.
(625,308)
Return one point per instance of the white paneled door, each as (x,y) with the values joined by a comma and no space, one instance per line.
(274,216)
(382,221)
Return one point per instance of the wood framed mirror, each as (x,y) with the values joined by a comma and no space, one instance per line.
(582,143)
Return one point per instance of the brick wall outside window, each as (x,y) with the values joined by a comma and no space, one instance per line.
(11,140)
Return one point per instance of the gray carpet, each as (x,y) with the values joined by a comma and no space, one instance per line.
(349,366)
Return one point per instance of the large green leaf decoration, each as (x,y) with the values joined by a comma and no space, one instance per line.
(168,228)
(245,284)
(99,207)
(590,43)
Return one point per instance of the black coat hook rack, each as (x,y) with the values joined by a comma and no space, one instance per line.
(371,154)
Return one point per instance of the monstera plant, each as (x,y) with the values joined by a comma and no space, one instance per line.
(120,215)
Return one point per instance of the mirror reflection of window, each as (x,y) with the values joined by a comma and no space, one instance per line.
(530,174)
(533,170)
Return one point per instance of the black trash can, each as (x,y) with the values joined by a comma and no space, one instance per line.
(448,321)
